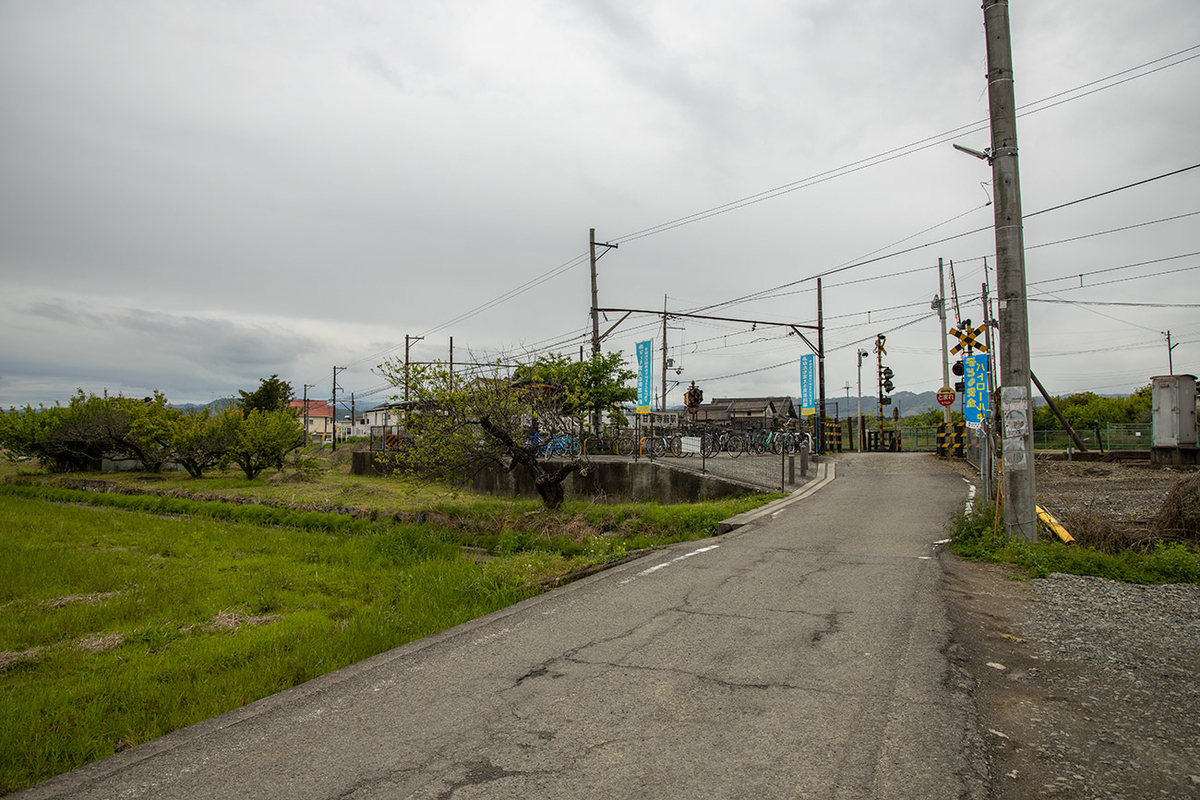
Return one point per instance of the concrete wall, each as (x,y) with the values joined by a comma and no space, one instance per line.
(607,481)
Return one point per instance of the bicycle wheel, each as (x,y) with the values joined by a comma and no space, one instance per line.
(736,446)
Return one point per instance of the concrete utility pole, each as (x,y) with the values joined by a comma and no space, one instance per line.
(862,437)
(408,340)
(941,304)
(1020,491)
(595,295)
(333,409)
(307,386)
(820,368)
(662,404)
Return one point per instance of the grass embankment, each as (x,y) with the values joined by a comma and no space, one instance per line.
(979,536)
(128,616)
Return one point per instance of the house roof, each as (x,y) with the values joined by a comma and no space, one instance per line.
(316,408)
(779,406)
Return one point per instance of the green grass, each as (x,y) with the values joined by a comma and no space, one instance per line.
(164,584)
(974,536)
(208,605)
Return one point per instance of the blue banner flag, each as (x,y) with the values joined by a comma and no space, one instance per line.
(645,357)
(808,397)
(975,393)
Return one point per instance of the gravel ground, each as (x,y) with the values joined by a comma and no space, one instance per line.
(1086,687)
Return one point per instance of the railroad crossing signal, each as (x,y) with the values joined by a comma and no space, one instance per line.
(968,338)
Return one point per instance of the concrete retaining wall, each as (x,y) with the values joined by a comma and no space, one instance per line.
(607,481)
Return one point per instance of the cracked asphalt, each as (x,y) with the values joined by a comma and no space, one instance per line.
(803,655)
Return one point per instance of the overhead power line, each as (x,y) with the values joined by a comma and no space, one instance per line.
(812,180)
(1113,303)
(907,149)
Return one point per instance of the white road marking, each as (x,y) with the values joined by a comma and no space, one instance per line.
(675,560)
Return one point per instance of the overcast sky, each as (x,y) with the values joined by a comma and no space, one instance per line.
(196,195)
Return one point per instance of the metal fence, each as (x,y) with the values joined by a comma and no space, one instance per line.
(1112,436)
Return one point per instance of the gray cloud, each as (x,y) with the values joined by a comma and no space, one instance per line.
(197,194)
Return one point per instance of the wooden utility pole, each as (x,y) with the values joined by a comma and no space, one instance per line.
(1020,491)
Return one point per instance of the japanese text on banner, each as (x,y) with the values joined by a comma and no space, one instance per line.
(975,394)
(645,358)
(808,397)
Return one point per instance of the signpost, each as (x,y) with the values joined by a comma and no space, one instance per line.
(945,396)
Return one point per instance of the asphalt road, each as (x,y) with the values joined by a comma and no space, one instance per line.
(799,656)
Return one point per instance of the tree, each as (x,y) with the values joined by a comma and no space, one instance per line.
(202,440)
(94,427)
(272,394)
(23,432)
(590,387)
(262,439)
(461,423)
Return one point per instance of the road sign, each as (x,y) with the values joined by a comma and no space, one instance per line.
(945,396)
(968,339)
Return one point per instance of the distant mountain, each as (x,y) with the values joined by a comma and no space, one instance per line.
(219,404)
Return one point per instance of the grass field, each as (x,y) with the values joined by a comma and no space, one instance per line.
(129,616)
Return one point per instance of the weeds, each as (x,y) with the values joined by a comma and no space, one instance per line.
(129,615)
(977,537)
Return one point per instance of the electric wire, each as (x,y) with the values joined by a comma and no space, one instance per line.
(898,152)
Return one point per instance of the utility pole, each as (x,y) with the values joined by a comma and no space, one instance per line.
(941,309)
(1170,355)
(880,341)
(333,409)
(307,386)
(595,312)
(1020,490)
(408,340)
(862,436)
(820,369)
(452,363)
(662,403)
(595,294)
